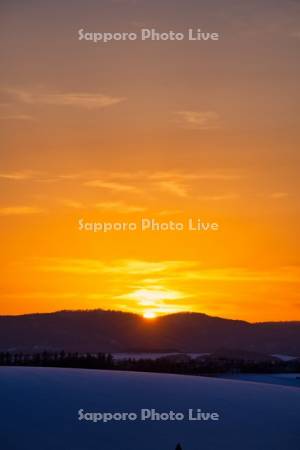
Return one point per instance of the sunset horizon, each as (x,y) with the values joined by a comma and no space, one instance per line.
(147,315)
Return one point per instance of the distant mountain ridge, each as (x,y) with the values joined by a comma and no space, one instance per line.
(115,331)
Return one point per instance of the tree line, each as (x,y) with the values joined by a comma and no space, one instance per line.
(200,366)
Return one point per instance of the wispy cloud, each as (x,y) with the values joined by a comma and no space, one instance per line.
(156,299)
(240,274)
(171,182)
(163,185)
(78,99)
(16,176)
(119,207)
(115,180)
(61,295)
(218,198)
(140,267)
(67,265)
(69,203)
(217,174)
(150,296)
(24,117)
(279,195)
(121,267)
(169,212)
(111,185)
(197,120)
(173,187)
(20,210)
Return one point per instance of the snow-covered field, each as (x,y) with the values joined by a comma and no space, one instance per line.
(39,411)
(283,379)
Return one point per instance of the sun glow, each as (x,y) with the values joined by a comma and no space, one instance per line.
(149,315)
(154,301)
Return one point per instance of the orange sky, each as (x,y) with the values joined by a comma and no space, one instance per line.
(168,130)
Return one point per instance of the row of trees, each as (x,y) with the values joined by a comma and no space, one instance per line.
(202,366)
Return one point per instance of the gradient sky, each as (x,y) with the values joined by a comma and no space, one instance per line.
(156,129)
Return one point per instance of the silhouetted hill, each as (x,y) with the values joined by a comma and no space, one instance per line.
(113,331)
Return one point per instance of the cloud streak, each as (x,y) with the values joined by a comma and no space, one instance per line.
(173,187)
(20,210)
(16,176)
(24,117)
(85,100)
(197,120)
(119,207)
(120,267)
(111,185)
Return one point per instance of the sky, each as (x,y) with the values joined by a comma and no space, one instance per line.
(158,129)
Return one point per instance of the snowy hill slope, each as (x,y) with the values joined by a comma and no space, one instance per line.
(39,411)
